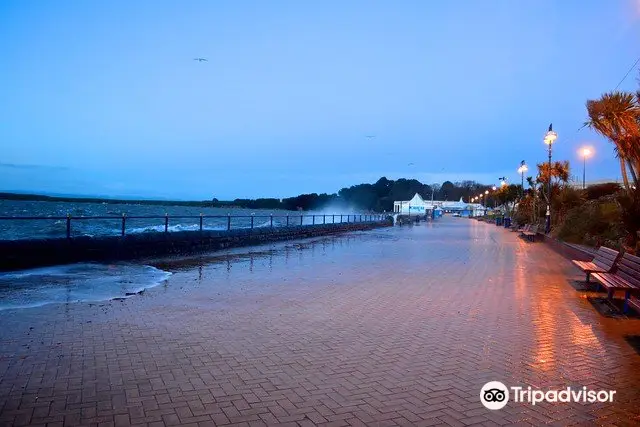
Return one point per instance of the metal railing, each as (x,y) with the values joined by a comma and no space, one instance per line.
(287,220)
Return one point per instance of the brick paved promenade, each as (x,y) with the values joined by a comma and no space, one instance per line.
(398,326)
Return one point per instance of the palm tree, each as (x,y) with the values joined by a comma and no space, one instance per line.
(559,171)
(616,116)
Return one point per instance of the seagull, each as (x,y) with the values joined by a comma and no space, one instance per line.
(370,136)
(410,164)
(200,59)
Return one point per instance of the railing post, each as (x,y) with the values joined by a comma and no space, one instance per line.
(313,221)
(360,218)
(271,218)
(324,219)
(252,221)
(340,219)
(124,219)
(228,222)
(333,218)
(287,220)
(300,220)
(68,226)
(166,223)
(200,222)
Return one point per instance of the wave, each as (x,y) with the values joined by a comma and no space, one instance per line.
(173,228)
(76,283)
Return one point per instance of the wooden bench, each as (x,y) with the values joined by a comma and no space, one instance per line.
(626,278)
(531,233)
(603,262)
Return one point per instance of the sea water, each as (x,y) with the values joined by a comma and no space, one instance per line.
(76,283)
(56,228)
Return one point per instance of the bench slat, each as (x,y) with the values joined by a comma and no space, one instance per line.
(604,261)
(605,265)
(606,256)
(631,263)
(614,282)
(629,269)
(609,251)
(590,267)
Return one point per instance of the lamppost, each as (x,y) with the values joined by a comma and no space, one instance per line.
(486,201)
(549,139)
(522,169)
(503,183)
(585,152)
(494,188)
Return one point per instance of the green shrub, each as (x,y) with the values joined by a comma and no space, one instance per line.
(594,192)
(594,223)
(629,202)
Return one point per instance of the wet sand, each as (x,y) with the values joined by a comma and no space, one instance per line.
(397,326)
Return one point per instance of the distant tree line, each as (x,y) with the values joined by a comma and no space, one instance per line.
(377,197)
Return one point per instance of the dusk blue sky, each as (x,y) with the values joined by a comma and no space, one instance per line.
(104,97)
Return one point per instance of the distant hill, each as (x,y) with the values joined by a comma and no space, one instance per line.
(376,197)
(53,197)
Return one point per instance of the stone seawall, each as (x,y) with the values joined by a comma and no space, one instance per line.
(21,254)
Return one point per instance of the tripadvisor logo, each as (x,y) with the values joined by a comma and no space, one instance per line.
(495,395)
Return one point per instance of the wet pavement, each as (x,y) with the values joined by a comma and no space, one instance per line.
(397,326)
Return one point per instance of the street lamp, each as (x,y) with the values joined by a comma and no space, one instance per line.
(585,152)
(486,201)
(521,170)
(549,139)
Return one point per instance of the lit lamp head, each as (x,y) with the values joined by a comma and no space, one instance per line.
(586,152)
(494,188)
(486,192)
(550,136)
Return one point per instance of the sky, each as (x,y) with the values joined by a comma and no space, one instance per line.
(105,98)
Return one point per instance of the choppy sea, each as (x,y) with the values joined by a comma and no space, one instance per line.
(99,282)
(52,228)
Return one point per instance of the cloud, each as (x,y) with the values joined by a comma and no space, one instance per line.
(27,166)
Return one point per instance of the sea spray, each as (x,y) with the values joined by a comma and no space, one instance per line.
(76,283)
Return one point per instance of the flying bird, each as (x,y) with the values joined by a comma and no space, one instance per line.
(370,136)
(410,164)
(200,59)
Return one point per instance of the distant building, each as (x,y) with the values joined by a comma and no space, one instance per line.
(417,205)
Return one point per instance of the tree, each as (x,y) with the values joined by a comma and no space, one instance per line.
(447,191)
(507,195)
(616,116)
(558,174)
